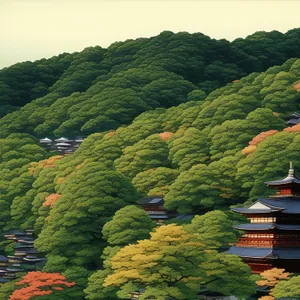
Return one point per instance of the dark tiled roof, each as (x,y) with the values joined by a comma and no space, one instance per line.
(159,217)
(246,210)
(293,121)
(250,252)
(14,232)
(292,116)
(285,205)
(3,258)
(271,253)
(266,226)
(151,201)
(289,205)
(286,180)
(185,217)
(255,226)
(287,253)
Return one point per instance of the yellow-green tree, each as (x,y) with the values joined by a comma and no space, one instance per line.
(174,264)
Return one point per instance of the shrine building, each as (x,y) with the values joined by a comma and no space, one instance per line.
(272,238)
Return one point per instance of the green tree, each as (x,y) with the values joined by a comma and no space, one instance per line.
(287,288)
(146,154)
(190,149)
(128,225)
(173,264)
(73,227)
(155,182)
(195,189)
(214,229)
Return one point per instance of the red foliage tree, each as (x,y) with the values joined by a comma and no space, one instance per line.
(51,199)
(39,284)
(260,137)
(293,128)
(165,135)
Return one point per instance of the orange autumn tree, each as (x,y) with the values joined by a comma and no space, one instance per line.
(36,167)
(256,140)
(165,135)
(270,279)
(51,199)
(294,128)
(39,284)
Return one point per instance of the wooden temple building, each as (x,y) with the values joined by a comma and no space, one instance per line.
(154,206)
(293,119)
(25,257)
(62,145)
(272,238)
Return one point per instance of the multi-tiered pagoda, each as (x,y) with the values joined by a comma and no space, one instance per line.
(272,237)
(25,256)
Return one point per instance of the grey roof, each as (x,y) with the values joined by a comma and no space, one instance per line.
(3,258)
(36,259)
(63,145)
(4,280)
(287,252)
(271,253)
(159,217)
(288,205)
(151,200)
(250,252)
(14,232)
(62,140)
(255,226)
(294,115)
(246,210)
(293,121)
(13,270)
(266,226)
(185,217)
(291,178)
(45,140)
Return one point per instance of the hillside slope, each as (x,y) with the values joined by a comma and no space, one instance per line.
(100,89)
(201,152)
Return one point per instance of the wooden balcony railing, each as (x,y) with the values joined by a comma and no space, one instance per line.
(266,242)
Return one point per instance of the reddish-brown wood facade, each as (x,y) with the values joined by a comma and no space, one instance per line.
(272,239)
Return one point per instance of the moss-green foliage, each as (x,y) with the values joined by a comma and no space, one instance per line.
(74,224)
(156,130)
(128,225)
(214,229)
(100,89)
(155,182)
(142,156)
(16,152)
(287,288)
(269,161)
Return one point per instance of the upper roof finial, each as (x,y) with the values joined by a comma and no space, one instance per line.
(291,170)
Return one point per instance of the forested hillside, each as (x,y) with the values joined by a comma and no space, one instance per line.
(100,89)
(174,116)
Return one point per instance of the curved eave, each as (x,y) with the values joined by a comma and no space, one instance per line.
(266,226)
(266,253)
(259,227)
(250,252)
(287,180)
(249,211)
(289,205)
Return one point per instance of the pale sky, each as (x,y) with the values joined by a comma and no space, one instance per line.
(34,29)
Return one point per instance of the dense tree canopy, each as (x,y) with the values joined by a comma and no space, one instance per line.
(128,225)
(197,121)
(172,264)
(95,85)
